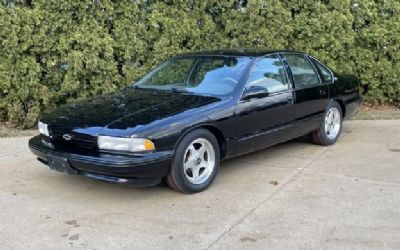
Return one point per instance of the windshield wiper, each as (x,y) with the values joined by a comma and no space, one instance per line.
(173,89)
(176,90)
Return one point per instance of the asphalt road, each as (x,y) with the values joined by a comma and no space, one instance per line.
(292,196)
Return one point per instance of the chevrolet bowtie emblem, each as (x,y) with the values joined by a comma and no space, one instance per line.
(67,137)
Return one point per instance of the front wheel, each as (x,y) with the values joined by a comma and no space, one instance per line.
(196,162)
(330,129)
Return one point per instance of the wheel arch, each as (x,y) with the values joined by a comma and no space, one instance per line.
(214,130)
(342,106)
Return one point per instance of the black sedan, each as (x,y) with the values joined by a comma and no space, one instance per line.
(179,121)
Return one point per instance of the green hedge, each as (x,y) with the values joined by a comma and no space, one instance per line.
(53,52)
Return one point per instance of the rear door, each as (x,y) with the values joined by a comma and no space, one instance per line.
(311,93)
(265,121)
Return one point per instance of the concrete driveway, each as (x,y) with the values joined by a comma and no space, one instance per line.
(292,196)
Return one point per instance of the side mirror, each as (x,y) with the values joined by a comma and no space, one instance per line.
(255,92)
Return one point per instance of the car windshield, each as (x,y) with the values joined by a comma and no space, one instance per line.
(208,75)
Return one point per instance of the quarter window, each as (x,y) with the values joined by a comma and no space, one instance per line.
(326,73)
(303,72)
(270,74)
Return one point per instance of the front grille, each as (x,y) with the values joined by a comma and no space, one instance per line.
(77,139)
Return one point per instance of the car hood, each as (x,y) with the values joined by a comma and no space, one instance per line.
(122,110)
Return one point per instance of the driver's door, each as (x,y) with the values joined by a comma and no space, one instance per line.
(265,120)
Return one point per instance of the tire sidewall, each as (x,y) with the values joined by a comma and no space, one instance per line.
(177,169)
(332,104)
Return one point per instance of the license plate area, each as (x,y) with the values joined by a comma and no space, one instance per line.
(60,164)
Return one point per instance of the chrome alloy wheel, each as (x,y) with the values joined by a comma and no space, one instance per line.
(332,123)
(199,161)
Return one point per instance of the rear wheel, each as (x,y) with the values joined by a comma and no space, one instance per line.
(196,162)
(330,129)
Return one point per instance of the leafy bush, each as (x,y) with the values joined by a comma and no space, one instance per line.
(53,52)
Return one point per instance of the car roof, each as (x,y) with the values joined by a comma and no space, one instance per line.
(251,52)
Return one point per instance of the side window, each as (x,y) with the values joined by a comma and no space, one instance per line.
(270,74)
(303,72)
(326,73)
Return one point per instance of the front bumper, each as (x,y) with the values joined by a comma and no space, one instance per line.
(146,169)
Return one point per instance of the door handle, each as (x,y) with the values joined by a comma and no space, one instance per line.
(322,92)
(290,99)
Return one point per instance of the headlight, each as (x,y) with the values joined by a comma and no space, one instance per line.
(43,128)
(124,144)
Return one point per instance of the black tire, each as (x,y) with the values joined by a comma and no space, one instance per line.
(321,136)
(177,179)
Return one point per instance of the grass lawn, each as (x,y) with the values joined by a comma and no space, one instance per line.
(377,113)
(12,132)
